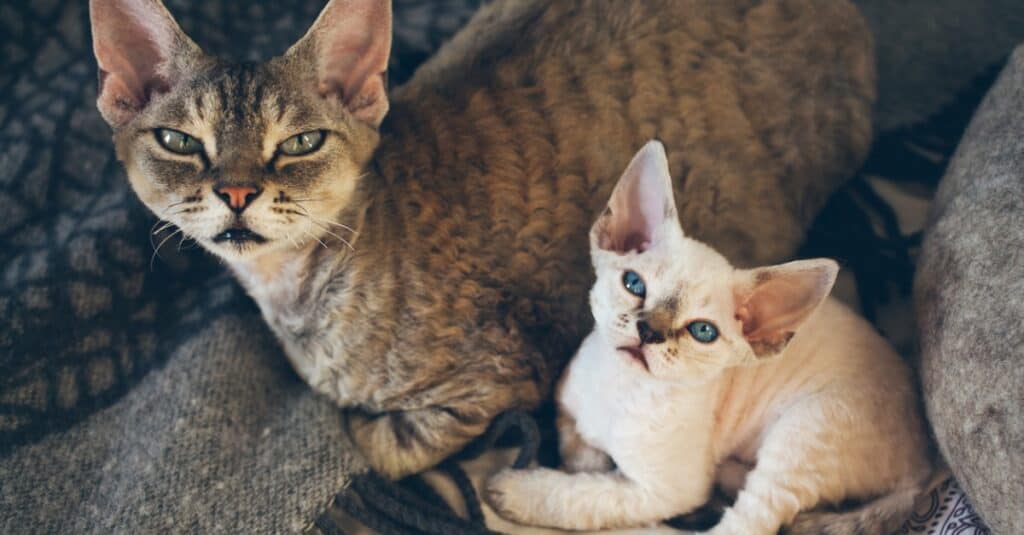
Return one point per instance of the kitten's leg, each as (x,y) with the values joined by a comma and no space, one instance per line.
(577,455)
(401,443)
(731,475)
(583,501)
(794,462)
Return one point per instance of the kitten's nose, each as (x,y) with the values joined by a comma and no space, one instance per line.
(238,198)
(647,334)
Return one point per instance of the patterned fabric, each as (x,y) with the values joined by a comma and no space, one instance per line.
(945,511)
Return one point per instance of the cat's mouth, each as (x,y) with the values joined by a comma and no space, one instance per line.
(238,236)
(636,354)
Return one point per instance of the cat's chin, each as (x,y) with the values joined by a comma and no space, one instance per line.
(238,244)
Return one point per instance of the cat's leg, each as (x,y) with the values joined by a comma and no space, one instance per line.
(577,455)
(795,462)
(584,501)
(402,443)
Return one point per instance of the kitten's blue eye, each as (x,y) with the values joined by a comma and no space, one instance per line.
(634,284)
(703,331)
(178,142)
(303,143)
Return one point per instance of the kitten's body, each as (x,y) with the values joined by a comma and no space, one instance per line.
(461,296)
(831,416)
(864,445)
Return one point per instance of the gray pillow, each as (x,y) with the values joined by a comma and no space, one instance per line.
(969,296)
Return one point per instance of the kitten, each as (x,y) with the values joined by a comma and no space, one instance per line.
(423,270)
(696,371)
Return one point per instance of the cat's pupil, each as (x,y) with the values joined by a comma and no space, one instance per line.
(178,142)
(703,331)
(303,143)
(634,284)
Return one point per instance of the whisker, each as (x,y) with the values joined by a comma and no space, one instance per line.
(164,227)
(156,250)
(328,221)
(185,239)
(317,239)
(327,230)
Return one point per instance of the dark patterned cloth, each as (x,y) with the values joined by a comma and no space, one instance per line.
(140,392)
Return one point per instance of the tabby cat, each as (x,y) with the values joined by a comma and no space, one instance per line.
(430,271)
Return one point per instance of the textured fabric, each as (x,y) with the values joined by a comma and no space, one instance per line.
(143,393)
(969,295)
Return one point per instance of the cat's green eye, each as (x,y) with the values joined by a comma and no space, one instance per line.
(303,143)
(178,142)
(634,284)
(702,331)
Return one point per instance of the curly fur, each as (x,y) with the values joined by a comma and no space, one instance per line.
(465,288)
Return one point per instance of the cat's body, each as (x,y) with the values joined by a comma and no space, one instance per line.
(792,386)
(461,294)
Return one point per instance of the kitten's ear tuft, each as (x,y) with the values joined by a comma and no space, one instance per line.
(640,205)
(350,43)
(772,302)
(140,51)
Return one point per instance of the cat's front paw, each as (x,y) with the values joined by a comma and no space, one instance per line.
(509,493)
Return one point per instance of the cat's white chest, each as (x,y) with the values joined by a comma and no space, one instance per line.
(615,407)
(312,352)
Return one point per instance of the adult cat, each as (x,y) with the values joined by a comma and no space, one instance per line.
(427,272)
(696,372)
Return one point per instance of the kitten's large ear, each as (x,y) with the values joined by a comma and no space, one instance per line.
(772,302)
(140,51)
(350,43)
(640,206)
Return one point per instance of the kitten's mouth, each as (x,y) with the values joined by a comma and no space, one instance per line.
(636,354)
(238,236)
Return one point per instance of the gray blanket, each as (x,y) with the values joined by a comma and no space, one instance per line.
(141,392)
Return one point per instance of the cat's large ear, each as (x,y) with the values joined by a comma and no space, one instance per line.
(140,51)
(772,302)
(641,207)
(350,43)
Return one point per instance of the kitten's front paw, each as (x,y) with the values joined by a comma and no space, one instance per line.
(508,493)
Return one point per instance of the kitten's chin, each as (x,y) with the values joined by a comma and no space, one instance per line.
(636,356)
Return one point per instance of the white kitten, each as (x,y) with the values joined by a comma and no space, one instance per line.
(697,372)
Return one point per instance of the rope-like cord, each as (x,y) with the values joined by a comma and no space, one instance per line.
(413,506)
(465,486)
(386,498)
(377,522)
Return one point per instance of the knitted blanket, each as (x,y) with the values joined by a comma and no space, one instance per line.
(139,389)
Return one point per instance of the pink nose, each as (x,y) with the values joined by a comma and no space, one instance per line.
(237,197)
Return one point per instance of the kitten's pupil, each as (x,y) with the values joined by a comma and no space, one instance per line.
(634,284)
(703,331)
